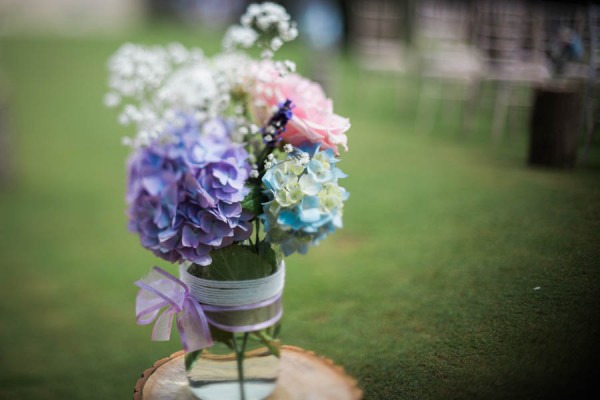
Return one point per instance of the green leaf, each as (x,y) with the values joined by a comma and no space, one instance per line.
(221,336)
(277,330)
(272,344)
(190,359)
(253,200)
(269,254)
(237,262)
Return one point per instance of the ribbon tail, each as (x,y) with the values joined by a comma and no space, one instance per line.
(193,327)
(162,326)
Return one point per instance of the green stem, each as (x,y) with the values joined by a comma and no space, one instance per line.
(239,353)
(257,231)
(260,160)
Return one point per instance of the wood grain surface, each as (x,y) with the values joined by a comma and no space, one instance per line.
(304,375)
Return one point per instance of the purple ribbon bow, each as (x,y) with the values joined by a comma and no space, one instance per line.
(158,290)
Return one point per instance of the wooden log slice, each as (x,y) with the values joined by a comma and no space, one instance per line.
(304,375)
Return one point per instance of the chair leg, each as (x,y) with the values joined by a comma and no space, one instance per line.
(515,115)
(453,95)
(426,114)
(500,111)
(470,107)
(590,124)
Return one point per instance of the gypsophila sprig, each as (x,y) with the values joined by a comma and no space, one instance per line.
(271,26)
(230,150)
(156,86)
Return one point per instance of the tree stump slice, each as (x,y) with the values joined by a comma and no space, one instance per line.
(304,375)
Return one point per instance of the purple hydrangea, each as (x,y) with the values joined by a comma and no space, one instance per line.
(185,193)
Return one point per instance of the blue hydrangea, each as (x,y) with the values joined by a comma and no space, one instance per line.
(305,200)
(185,193)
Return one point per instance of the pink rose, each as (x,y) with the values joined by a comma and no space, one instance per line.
(313,120)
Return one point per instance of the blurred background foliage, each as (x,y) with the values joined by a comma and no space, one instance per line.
(461,272)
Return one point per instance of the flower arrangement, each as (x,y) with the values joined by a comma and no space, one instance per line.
(232,167)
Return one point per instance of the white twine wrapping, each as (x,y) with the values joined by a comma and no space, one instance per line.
(234,293)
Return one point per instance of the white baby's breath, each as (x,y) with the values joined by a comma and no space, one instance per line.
(302,158)
(267,26)
(239,37)
(276,43)
(285,67)
(112,100)
(290,65)
(267,54)
(232,67)
(156,85)
(157,88)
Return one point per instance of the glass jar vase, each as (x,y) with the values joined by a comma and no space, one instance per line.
(239,366)
(243,308)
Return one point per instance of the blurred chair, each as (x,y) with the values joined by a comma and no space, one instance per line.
(376,35)
(449,66)
(575,27)
(510,35)
(591,118)
(377,42)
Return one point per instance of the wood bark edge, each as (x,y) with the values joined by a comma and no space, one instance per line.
(357,393)
(139,385)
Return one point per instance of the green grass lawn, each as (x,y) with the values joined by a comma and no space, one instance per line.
(460,272)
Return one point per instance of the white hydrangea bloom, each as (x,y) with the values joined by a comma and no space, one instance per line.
(308,185)
(331,197)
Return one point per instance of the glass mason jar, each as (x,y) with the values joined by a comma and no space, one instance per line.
(240,366)
(243,364)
